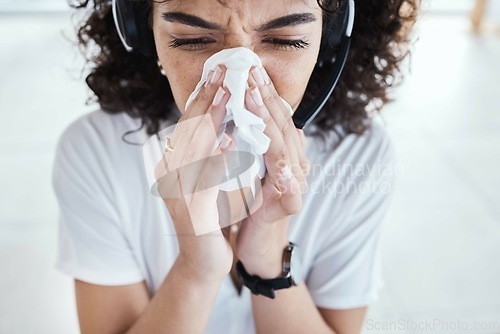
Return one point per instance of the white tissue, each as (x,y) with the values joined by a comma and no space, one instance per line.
(248,129)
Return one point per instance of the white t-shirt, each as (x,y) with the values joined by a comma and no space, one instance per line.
(113,231)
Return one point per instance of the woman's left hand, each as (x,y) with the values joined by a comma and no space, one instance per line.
(263,235)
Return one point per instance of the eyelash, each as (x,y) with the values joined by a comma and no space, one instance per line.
(197,43)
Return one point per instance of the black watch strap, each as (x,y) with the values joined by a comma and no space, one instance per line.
(259,286)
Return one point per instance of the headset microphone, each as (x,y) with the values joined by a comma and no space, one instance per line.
(331,59)
(136,36)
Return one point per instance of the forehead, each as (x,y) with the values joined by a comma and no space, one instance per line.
(249,15)
(238,6)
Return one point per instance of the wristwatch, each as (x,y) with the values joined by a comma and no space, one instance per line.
(290,276)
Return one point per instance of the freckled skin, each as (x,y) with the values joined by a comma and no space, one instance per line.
(289,69)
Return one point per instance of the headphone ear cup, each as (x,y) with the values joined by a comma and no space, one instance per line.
(131,21)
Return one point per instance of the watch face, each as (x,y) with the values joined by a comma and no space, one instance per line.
(295,265)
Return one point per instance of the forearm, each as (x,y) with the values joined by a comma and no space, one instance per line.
(291,311)
(182,304)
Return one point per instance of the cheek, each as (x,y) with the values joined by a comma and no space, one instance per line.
(290,77)
(183,73)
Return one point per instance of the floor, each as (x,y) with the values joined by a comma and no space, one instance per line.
(441,240)
(442,234)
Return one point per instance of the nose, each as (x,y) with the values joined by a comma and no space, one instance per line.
(239,39)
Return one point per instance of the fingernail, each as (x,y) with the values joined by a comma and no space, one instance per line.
(286,172)
(265,75)
(209,77)
(216,75)
(257,76)
(257,98)
(226,140)
(234,228)
(218,96)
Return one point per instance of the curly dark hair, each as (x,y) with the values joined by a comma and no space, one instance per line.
(380,40)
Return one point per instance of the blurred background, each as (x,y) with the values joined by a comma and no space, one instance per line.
(441,239)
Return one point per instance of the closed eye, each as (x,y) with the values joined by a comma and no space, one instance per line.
(193,44)
(289,43)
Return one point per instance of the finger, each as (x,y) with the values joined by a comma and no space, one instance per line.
(291,192)
(304,161)
(299,139)
(277,154)
(190,147)
(281,115)
(303,139)
(227,143)
(191,119)
(205,135)
(287,194)
(201,147)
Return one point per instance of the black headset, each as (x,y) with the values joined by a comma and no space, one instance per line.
(136,36)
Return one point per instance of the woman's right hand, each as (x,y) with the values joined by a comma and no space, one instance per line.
(186,181)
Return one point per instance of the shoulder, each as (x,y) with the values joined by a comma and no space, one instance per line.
(375,144)
(100,140)
(98,127)
(90,153)
(349,187)
(349,191)
(355,177)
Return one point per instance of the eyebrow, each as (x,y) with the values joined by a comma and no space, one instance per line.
(280,22)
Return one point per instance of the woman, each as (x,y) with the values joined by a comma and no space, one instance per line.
(138,265)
